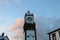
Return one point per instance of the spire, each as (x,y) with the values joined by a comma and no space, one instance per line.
(3,34)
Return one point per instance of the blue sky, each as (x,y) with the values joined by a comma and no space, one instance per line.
(18,8)
(10,10)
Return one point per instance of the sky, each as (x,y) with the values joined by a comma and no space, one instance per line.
(12,14)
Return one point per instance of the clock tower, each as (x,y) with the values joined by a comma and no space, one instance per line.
(29,26)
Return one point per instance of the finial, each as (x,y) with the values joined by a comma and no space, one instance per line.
(28,11)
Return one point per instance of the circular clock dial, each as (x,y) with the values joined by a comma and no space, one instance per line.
(29,19)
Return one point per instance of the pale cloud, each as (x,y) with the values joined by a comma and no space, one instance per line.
(1,30)
(4,2)
(8,3)
(17,29)
(17,24)
(17,1)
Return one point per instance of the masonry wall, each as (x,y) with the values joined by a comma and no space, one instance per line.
(57,35)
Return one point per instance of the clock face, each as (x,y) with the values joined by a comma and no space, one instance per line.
(30,35)
(29,19)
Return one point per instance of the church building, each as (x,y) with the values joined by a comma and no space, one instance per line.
(54,35)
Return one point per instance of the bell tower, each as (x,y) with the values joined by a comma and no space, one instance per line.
(29,26)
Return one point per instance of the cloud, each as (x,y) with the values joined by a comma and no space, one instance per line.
(17,1)
(8,3)
(17,29)
(17,24)
(4,2)
(42,27)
